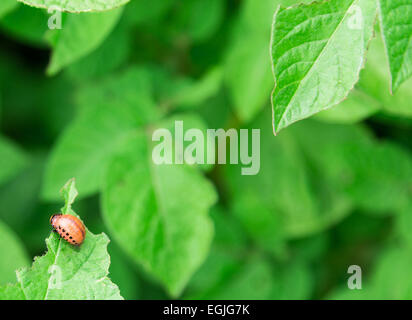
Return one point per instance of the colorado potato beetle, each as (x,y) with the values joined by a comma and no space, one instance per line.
(69,228)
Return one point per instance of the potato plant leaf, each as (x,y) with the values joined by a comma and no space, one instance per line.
(252,279)
(107,113)
(13,253)
(192,94)
(168,230)
(351,161)
(6,6)
(247,64)
(201,19)
(374,81)
(233,271)
(76,5)
(67,272)
(80,35)
(266,203)
(108,57)
(12,159)
(26,24)
(317,53)
(396,17)
(356,108)
(386,280)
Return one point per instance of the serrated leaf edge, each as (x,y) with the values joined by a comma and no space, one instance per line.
(73,11)
(362,65)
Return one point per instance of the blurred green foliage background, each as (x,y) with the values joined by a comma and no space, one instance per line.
(333,191)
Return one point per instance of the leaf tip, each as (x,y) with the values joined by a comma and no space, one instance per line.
(69,192)
(52,70)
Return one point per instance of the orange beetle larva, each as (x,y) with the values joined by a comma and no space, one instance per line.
(69,228)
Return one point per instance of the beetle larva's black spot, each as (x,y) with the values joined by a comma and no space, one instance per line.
(71,237)
(67,233)
(64,230)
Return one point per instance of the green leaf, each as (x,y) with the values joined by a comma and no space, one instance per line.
(200,19)
(267,204)
(356,108)
(253,281)
(123,273)
(76,5)
(229,234)
(317,52)
(175,92)
(69,194)
(247,63)
(188,121)
(352,161)
(108,112)
(26,24)
(294,281)
(312,248)
(247,74)
(20,194)
(371,93)
(12,159)
(403,224)
(374,81)
(166,206)
(195,93)
(13,254)
(387,280)
(7,6)
(225,277)
(231,271)
(20,207)
(80,35)
(83,273)
(147,12)
(267,228)
(234,271)
(66,272)
(105,59)
(396,17)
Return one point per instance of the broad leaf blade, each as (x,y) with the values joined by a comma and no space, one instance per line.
(83,273)
(6,6)
(107,113)
(104,60)
(201,19)
(80,35)
(13,254)
(12,159)
(69,194)
(386,280)
(26,24)
(352,161)
(66,272)
(194,93)
(247,64)
(76,5)
(317,52)
(396,17)
(266,203)
(356,108)
(168,229)
(248,74)
(234,271)
(375,78)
